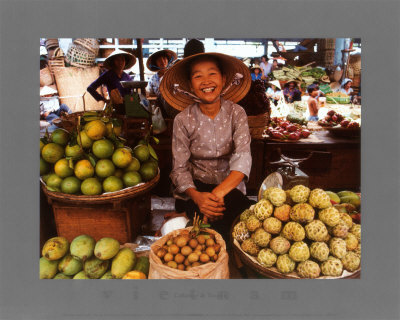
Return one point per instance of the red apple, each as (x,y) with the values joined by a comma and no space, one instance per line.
(291,128)
(305,133)
(294,136)
(334,118)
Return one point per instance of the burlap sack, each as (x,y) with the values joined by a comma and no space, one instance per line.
(72,83)
(212,270)
(46,78)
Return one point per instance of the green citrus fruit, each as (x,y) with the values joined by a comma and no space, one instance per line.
(41,145)
(91,187)
(71,185)
(52,152)
(84,139)
(148,171)
(141,152)
(131,178)
(112,184)
(60,136)
(119,173)
(46,177)
(104,168)
(62,168)
(142,141)
(44,166)
(103,148)
(134,165)
(152,162)
(74,151)
(83,169)
(122,157)
(95,129)
(54,181)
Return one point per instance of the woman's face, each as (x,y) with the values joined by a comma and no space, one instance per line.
(162,62)
(256,71)
(347,85)
(206,80)
(119,62)
(263,59)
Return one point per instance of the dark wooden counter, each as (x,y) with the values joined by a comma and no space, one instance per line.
(335,163)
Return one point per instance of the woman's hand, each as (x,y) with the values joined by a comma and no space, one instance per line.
(209,204)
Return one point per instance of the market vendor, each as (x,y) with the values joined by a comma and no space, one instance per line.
(265,66)
(50,107)
(291,92)
(211,139)
(115,63)
(159,62)
(346,86)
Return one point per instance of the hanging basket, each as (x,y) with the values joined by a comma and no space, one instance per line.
(79,56)
(90,44)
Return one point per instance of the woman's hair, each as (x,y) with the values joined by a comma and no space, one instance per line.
(312,88)
(264,56)
(344,84)
(204,59)
(192,47)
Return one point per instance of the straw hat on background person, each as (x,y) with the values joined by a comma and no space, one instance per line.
(175,86)
(276,83)
(130,59)
(325,79)
(151,61)
(256,66)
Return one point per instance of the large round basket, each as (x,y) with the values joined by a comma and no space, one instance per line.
(273,272)
(89,43)
(123,194)
(79,56)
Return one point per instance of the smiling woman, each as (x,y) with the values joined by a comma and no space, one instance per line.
(211,140)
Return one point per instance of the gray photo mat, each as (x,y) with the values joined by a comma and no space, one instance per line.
(24,296)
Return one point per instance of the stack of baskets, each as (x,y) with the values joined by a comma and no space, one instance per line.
(355,65)
(82,52)
(51,46)
(57,60)
(327,48)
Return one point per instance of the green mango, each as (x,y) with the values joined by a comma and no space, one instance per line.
(107,275)
(55,248)
(345,193)
(47,268)
(122,263)
(333,196)
(70,265)
(106,248)
(143,265)
(82,247)
(352,199)
(95,268)
(81,275)
(62,276)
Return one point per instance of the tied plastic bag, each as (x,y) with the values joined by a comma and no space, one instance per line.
(157,120)
(211,270)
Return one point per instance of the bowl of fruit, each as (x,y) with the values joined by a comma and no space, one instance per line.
(287,131)
(340,126)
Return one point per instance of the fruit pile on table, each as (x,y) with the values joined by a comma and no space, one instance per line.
(94,159)
(302,232)
(282,129)
(84,258)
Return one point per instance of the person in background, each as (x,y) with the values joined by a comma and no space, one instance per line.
(265,66)
(346,86)
(312,102)
(159,62)
(193,46)
(115,63)
(256,72)
(211,138)
(291,92)
(50,108)
(275,65)
(274,92)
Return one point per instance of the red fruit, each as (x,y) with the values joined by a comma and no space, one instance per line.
(334,118)
(305,133)
(330,112)
(328,118)
(294,136)
(353,124)
(277,134)
(291,128)
(285,132)
(339,117)
(344,123)
(356,217)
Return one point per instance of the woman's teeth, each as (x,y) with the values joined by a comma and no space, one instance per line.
(208,90)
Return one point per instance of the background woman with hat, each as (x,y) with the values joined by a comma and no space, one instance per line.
(291,92)
(211,139)
(50,107)
(116,63)
(256,72)
(274,92)
(159,62)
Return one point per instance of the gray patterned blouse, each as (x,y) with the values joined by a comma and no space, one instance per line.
(208,149)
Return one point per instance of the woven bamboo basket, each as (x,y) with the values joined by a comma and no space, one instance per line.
(56,63)
(329,57)
(355,63)
(51,43)
(79,56)
(257,125)
(89,43)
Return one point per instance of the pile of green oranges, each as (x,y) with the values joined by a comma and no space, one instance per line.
(94,161)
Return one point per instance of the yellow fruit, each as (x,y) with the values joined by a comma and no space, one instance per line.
(74,151)
(83,169)
(110,128)
(54,181)
(95,129)
(141,152)
(134,165)
(134,275)
(112,184)
(84,139)
(103,148)
(52,152)
(55,248)
(62,168)
(104,168)
(71,185)
(122,157)
(131,178)
(91,187)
